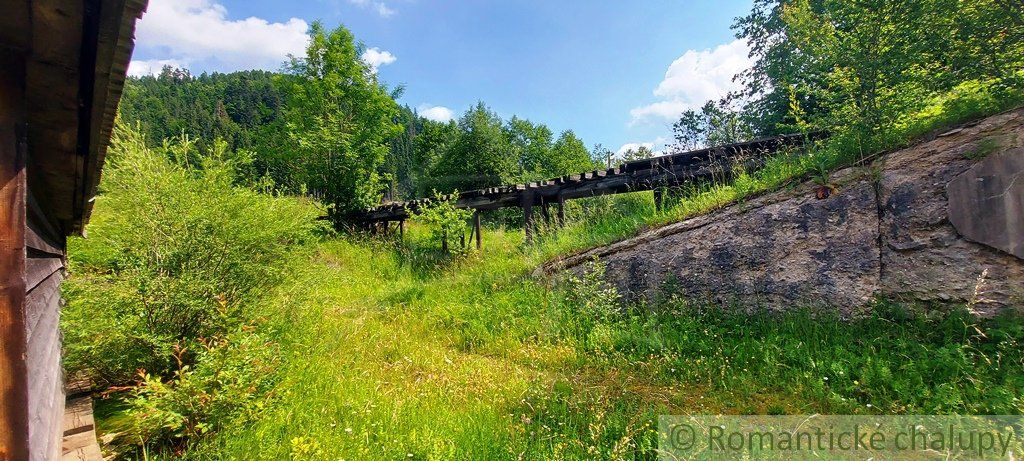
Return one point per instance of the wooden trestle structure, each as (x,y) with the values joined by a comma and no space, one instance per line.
(656,174)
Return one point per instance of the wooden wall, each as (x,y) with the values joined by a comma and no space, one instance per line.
(43,273)
(13,189)
(31,269)
(62,68)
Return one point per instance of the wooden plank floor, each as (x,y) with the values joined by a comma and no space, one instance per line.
(79,443)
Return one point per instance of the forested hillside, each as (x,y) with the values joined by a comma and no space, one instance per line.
(220,316)
(259,112)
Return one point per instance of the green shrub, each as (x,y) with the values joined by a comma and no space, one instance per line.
(443,219)
(592,307)
(230,382)
(175,252)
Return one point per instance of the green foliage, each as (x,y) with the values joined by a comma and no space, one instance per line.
(175,252)
(243,108)
(857,68)
(228,383)
(482,150)
(595,306)
(287,122)
(477,360)
(714,125)
(444,220)
(340,120)
(640,153)
(568,155)
(478,157)
(531,145)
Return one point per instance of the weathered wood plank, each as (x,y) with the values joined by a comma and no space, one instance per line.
(44,294)
(41,242)
(14,420)
(39,269)
(45,393)
(78,416)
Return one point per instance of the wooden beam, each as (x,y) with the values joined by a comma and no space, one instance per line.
(527,203)
(476,228)
(659,199)
(561,210)
(16,25)
(711,164)
(14,433)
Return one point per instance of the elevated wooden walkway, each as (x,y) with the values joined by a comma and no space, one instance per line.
(657,174)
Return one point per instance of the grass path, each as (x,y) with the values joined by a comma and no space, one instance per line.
(387,363)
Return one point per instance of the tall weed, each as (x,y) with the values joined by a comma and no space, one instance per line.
(175,252)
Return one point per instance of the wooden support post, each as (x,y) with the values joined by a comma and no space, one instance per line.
(476,228)
(14,420)
(561,211)
(401,229)
(659,198)
(528,215)
(544,212)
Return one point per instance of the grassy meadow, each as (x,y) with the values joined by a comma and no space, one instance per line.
(228,323)
(391,352)
(229,304)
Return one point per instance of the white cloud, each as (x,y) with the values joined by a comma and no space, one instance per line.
(138,68)
(435,113)
(693,78)
(657,146)
(375,57)
(198,32)
(634,146)
(380,7)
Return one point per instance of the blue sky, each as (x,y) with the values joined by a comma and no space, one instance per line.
(616,72)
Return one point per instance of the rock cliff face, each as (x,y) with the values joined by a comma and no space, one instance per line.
(941,221)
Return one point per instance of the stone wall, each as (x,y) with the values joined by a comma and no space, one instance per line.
(941,221)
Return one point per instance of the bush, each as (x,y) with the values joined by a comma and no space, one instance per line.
(592,307)
(176,252)
(444,220)
(230,380)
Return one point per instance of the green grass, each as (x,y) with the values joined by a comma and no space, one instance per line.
(475,360)
(394,351)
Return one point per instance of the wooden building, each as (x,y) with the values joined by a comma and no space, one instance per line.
(62,67)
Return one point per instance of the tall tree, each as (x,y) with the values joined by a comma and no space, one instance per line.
(714,125)
(568,155)
(531,145)
(859,67)
(340,121)
(430,145)
(777,87)
(400,164)
(480,157)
